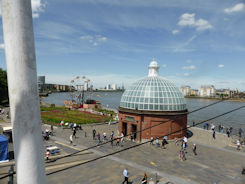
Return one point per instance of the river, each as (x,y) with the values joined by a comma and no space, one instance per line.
(112,100)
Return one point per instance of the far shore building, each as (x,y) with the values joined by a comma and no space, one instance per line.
(207,91)
(152,101)
(186,90)
(41,83)
(194,92)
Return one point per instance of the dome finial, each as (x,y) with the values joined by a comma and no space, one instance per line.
(153,68)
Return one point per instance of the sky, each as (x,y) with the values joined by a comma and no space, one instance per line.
(195,42)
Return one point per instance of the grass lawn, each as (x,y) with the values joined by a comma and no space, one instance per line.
(54,115)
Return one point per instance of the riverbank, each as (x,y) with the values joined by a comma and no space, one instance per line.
(210,98)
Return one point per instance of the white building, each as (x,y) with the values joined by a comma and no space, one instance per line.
(114,86)
(108,86)
(41,83)
(186,90)
(207,91)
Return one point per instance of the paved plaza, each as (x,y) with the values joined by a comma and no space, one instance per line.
(213,164)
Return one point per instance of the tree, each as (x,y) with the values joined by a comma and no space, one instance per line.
(3,87)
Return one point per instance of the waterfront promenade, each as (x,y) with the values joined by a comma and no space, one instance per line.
(217,161)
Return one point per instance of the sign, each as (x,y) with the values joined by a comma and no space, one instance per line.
(128,118)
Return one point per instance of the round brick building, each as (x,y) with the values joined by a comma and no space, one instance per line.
(152,101)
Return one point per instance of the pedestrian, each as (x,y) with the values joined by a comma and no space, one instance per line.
(94,133)
(157,142)
(219,127)
(183,155)
(213,134)
(185,141)
(194,149)
(151,181)
(212,127)
(231,130)
(122,137)
(112,134)
(240,132)
(152,140)
(111,141)
(164,142)
(228,132)
(74,132)
(125,174)
(61,124)
(71,125)
(132,136)
(71,140)
(118,141)
(98,138)
(193,123)
(104,136)
(47,154)
(204,125)
(238,144)
(207,126)
(144,180)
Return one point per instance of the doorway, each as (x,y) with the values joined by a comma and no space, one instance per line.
(124,129)
(134,130)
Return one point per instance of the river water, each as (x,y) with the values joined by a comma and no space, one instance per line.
(112,99)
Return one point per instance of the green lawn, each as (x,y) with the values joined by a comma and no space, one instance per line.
(54,115)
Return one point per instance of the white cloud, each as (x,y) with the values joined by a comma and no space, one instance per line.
(94,40)
(164,65)
(221,66)
(188,20)
(191,67)
(237,8)
(37,7)
(2,46)
(175,31)
(186,74)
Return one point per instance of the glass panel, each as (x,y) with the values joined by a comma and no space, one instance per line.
(151,107)
(156,107)
(145,106)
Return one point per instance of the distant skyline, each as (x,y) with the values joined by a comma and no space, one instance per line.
(195,42)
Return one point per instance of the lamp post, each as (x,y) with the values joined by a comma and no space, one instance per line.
(23,91)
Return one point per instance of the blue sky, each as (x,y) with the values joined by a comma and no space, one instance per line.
(195,42)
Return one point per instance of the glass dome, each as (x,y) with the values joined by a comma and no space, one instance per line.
(153,93)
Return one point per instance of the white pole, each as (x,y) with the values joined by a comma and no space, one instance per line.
(23,93)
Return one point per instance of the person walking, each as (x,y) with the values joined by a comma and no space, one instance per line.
(47,154)
(194,149)
(74,132)
(219,127)
(207,126)
(118,141)
(152,140)
(204,125)
(71,140)
(98,137)
(231,130)
(240,132)
(125,174)
(144,180)
(94,133)
(213,134)
(157,142)
(228,132)
(238,144)
(111,139)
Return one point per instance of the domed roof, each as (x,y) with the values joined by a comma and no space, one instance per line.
(153,93)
